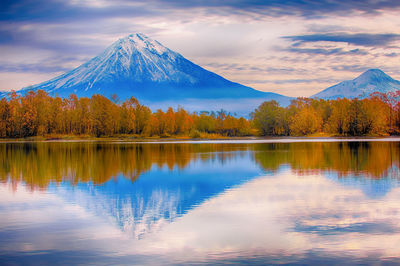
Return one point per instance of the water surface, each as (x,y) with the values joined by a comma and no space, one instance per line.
(204,203)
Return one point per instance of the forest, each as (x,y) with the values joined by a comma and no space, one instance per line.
(38,114)
(379,114)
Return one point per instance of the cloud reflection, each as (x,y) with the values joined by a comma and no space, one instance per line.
(284,216)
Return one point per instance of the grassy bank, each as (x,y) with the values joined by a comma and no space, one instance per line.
(203,136)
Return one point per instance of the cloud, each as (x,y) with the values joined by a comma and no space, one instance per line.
(293,81)
(52,10)
(290,7)
(360,39)
(392,55)
(33,68)
(59,11)
(351,68)
(324,51)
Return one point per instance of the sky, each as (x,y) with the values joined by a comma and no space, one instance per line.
(291,47)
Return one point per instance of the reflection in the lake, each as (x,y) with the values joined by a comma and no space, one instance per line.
(295,203)
(38,164)
(366,159)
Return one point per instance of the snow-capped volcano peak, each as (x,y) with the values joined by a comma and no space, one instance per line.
(135,57)
(138,53)
(140,42)
(372,80)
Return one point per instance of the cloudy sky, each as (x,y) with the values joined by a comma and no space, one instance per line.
(292,47)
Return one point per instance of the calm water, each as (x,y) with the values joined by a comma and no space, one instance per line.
(209,203)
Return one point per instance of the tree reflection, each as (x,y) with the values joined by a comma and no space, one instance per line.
(39,164)
(368,159)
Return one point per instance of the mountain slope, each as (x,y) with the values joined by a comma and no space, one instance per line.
(141,67)
(372,80)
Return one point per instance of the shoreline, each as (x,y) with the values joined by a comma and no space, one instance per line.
(222,140)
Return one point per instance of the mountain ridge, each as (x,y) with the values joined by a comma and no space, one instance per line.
(372,80)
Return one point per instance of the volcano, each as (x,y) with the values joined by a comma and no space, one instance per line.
(159,77)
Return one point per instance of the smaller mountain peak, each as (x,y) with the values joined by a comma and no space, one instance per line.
(372,80)
(374,73)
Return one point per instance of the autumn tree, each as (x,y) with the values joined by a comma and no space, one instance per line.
(376,115)
(339,121)
(306,121)
(205,122)
(183,121)
(128,118)
(170,121)
(102,115)
(29,114)
(5,116)
(142,115)
(270,119)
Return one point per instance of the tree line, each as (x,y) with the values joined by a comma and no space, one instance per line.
(38,114)
(379,114)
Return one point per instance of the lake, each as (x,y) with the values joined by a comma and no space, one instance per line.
(282,202)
